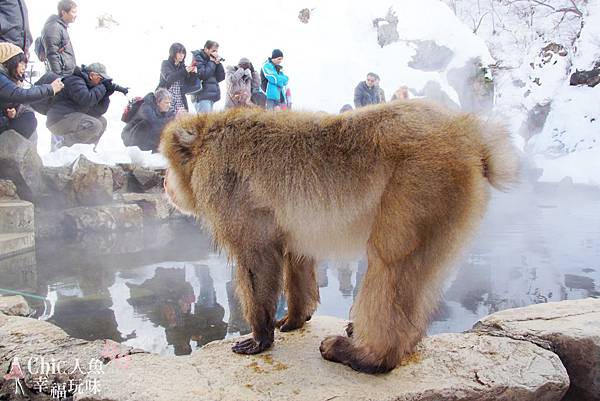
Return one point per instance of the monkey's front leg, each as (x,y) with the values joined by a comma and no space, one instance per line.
(258,277)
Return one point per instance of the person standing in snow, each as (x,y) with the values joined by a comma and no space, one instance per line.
(366,92)
(13,97)
(14,24)
(176,77)
(57,43)
(242,82)
(210,71)
(274,81)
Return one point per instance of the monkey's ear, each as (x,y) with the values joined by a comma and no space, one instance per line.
(185,138)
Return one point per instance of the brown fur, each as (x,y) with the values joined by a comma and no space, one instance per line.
(405,181)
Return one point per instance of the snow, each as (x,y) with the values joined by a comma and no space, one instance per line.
(327,57)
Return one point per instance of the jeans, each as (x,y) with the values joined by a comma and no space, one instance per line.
(204,106)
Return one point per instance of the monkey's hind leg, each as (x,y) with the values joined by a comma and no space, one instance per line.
(301,291)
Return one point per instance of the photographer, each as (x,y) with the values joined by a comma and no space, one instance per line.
(242,82)
(211,72)
(76,114)
(13,113)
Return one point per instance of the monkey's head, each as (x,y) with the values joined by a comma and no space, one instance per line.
(180,144)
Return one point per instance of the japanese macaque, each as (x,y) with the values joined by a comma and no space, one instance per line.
(405,182)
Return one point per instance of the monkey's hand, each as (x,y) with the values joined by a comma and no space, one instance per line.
(251,346)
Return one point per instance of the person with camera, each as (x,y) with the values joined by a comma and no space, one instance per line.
(14,114)
(274,81)
(176,77)
(144,128)
(75,116)
(242,82)
(210,71)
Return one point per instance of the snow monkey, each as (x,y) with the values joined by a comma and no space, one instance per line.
(406,182)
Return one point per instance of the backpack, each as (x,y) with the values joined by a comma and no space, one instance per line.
(40,50)
(42,106)
(131,109)
(263,81)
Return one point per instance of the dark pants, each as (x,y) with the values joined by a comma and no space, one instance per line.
(77,128)
(25,124)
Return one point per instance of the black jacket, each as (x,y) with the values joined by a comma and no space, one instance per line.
(364,96)
(14,24)
(170,73)
(210,74)
(57,44)
(78,95)
(144,129)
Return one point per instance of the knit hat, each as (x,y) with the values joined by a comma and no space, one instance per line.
(8,51)
(276,53)
(98,68)
(244,60)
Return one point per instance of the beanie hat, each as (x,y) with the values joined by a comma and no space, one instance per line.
(8,51)
(276,53)
(244,60)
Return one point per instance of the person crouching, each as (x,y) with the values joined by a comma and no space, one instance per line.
(144,128)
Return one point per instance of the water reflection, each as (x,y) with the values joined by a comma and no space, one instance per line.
(166,291)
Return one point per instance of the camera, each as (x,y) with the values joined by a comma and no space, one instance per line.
(121,89)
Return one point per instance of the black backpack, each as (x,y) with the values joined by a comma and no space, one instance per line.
(40,50)
(263,81)
(131,109)
(42,106)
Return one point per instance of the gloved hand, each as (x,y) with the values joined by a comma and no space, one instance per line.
(108,84)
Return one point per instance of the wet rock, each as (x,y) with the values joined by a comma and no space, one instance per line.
(92,183)
(49,223)
(536,118)
(570,328)
(143,179)
(430,56)
(103,218)
(387,28)
(14,306)
(446,367)
(155,206)
(8,191)
(25,340)
(590,78)
(20,163)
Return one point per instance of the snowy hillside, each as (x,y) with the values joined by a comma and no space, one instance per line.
(436,54)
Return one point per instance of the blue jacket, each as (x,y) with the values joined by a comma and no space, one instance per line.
(276,81)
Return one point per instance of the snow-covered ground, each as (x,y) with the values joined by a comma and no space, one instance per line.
(329,55)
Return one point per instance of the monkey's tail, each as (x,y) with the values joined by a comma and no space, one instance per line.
(499,156)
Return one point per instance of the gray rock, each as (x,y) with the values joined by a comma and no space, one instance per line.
(103,218)
(20,163)
(430,56)
(446,367)
(14,305)
(15,243)
(120,177)
(387,28)
(16,217)
(536,118)
(143,179)
(92,183)
(60,193)
(8,190)
(570,328)
(49,223)
(155,206)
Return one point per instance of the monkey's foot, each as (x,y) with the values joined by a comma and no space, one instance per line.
(350,329)
(342,350)
(288,324)
(251,346)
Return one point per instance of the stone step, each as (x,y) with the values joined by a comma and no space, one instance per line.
(14,243)
(16,217)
